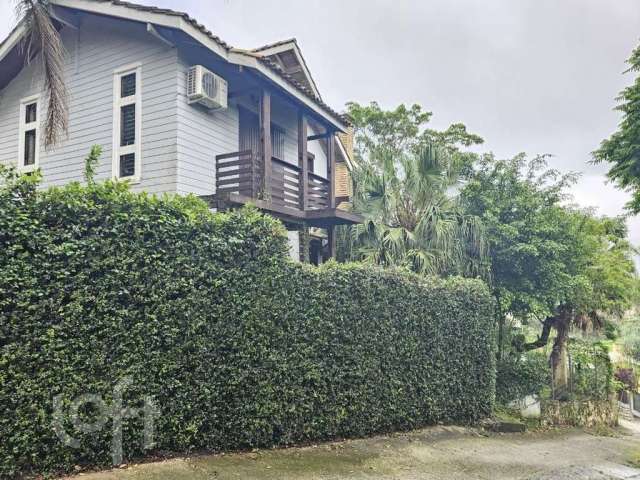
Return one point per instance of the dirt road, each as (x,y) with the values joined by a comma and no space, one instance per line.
(433,453)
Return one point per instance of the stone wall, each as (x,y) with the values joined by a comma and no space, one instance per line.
(587,413)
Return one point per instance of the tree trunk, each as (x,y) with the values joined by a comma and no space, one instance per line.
(558,357)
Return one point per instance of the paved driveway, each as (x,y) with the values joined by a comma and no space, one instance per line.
(434,453)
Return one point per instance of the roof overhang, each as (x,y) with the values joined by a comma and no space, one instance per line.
(286,46)
(175,20)
(12,40)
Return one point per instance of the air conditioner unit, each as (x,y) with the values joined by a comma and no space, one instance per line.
(206,88)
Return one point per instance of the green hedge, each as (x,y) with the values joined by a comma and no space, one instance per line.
(519,375)
(239,346)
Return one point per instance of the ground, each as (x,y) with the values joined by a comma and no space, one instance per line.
(432,453)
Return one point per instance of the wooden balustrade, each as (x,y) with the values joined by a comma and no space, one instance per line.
(318,192)
(241,173)
(238,173)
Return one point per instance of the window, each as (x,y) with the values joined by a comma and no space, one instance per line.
(127,124)
(29,142)
(311,162)
(277,141)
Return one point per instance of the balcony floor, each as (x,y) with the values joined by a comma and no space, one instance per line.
(323,217)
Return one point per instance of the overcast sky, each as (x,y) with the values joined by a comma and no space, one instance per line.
(535,76)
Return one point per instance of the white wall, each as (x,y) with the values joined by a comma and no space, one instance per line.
(179,141)
(294,244)
(202,134)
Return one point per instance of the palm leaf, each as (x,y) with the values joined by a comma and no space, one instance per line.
(43,39)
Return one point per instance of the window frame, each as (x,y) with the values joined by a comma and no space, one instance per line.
(118,103)
(25,127)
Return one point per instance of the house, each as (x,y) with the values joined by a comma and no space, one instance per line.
(178,110)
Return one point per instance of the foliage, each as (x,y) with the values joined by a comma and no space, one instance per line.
(91,163)
(239,346)
(542,252)
(43,39)
(592,373)
(622,149)
(629,339)
(627,377)
(402,130)
(520,375)
(550,263)
(406,176)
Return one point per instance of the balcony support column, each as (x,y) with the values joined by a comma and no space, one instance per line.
(332,243)
(331,169)
(303,163)
(265,143)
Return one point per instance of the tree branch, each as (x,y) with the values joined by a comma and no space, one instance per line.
(544,335)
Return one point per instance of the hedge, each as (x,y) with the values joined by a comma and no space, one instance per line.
(239,346)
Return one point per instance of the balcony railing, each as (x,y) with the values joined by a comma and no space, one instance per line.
(241,173)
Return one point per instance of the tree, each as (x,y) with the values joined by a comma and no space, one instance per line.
(622,149)
(549,262)
(406,178)
(43,39)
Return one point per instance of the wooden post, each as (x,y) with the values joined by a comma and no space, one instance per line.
(303,163)
(331,170)
(265,140)
(331,237)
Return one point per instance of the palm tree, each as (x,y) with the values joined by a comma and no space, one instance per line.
(412,215)
(42,39)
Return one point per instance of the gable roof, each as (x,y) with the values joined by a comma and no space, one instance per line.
(264,65)
(288,55)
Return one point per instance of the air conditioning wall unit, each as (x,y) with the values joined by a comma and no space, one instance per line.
(206,88)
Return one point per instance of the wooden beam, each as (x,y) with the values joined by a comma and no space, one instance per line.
(303,163)
(265,140)
(66,17)
(331,170)
(243,92)
(320,136)
(153,31)
(331,237)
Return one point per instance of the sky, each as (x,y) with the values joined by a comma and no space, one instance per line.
(534,76)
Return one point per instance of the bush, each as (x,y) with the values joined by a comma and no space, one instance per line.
(238,346)
(520,375)
(592,373)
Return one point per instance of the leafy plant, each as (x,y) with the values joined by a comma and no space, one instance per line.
(622,149)
(42,41)
(551,265)
(405,187)
(521,375)
(91,164)
(239,346)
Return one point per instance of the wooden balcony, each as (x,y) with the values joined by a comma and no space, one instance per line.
(240,179)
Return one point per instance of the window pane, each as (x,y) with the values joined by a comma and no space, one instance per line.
(128,85)
(30,112)
(127,165)
(30,147)
(128,125)
(277,142)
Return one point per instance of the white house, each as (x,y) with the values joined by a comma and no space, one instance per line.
(176,109)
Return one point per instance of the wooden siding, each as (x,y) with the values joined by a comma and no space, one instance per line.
(94,52)
(179,141)
(202,134)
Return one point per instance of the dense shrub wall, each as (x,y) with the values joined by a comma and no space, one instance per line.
(238,346)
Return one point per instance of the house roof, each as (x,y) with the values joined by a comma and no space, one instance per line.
(288,55)
(182,21)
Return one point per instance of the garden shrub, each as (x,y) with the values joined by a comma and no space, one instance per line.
(519,375)
(592,372)
(238,346)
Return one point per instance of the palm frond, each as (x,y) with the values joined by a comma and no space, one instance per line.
(43,39)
